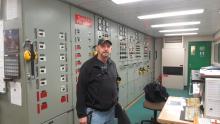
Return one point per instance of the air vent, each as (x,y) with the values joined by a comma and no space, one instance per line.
(173,39)
(173,42)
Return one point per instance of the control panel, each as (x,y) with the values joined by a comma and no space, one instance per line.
(102,28)
(83,39)
(123,53)
(45,53)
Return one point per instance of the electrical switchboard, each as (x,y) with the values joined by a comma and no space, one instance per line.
(82,28)
(45,49)
(102,28)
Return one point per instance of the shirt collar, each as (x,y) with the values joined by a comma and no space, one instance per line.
(109,61)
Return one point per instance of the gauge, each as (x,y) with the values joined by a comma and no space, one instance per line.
(99,20)
(99,27)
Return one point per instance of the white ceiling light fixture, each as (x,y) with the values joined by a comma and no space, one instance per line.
(170,14)
(124,1)
(179,30)
(181,34)
(175,24)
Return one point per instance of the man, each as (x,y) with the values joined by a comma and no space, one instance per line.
(97,91)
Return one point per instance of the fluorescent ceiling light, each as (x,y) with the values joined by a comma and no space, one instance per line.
(170,14)
(180,34)
(125,1)
(179,30)
(175,24)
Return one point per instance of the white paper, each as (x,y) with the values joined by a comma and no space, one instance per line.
(15,90)
(176,104)
(11,10)
(204,121)
(196,88)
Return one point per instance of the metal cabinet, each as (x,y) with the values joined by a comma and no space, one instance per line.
(212,98)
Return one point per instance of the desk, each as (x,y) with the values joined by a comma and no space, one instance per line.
(171,111)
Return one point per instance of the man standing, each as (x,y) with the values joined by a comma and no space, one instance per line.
(97,91)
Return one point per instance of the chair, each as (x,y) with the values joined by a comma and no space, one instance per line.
(155,107)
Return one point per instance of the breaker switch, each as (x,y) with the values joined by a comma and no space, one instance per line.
(43,94)
(44,106)
(77,55)
(78,62)
(77,71)
(63,99)
(77,47)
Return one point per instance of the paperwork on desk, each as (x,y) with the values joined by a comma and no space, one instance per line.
(210,70)
(208,121)
(176,104)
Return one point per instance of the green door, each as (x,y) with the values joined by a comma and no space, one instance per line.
(199,55)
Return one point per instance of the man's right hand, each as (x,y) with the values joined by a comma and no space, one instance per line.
(83,120)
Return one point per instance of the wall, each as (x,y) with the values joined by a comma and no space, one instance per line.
(158,58)
(217,40)
(187,39)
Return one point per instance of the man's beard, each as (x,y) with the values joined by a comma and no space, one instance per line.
(105,54)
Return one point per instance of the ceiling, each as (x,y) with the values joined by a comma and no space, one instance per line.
(127,13)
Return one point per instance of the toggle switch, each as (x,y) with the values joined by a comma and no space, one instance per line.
(43,70)
(61,36)
(62,67)
(62,46)
(42,58)
(41,46)
(63,88)
(43,82)
(62,57)
(62,78)
(41,33)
